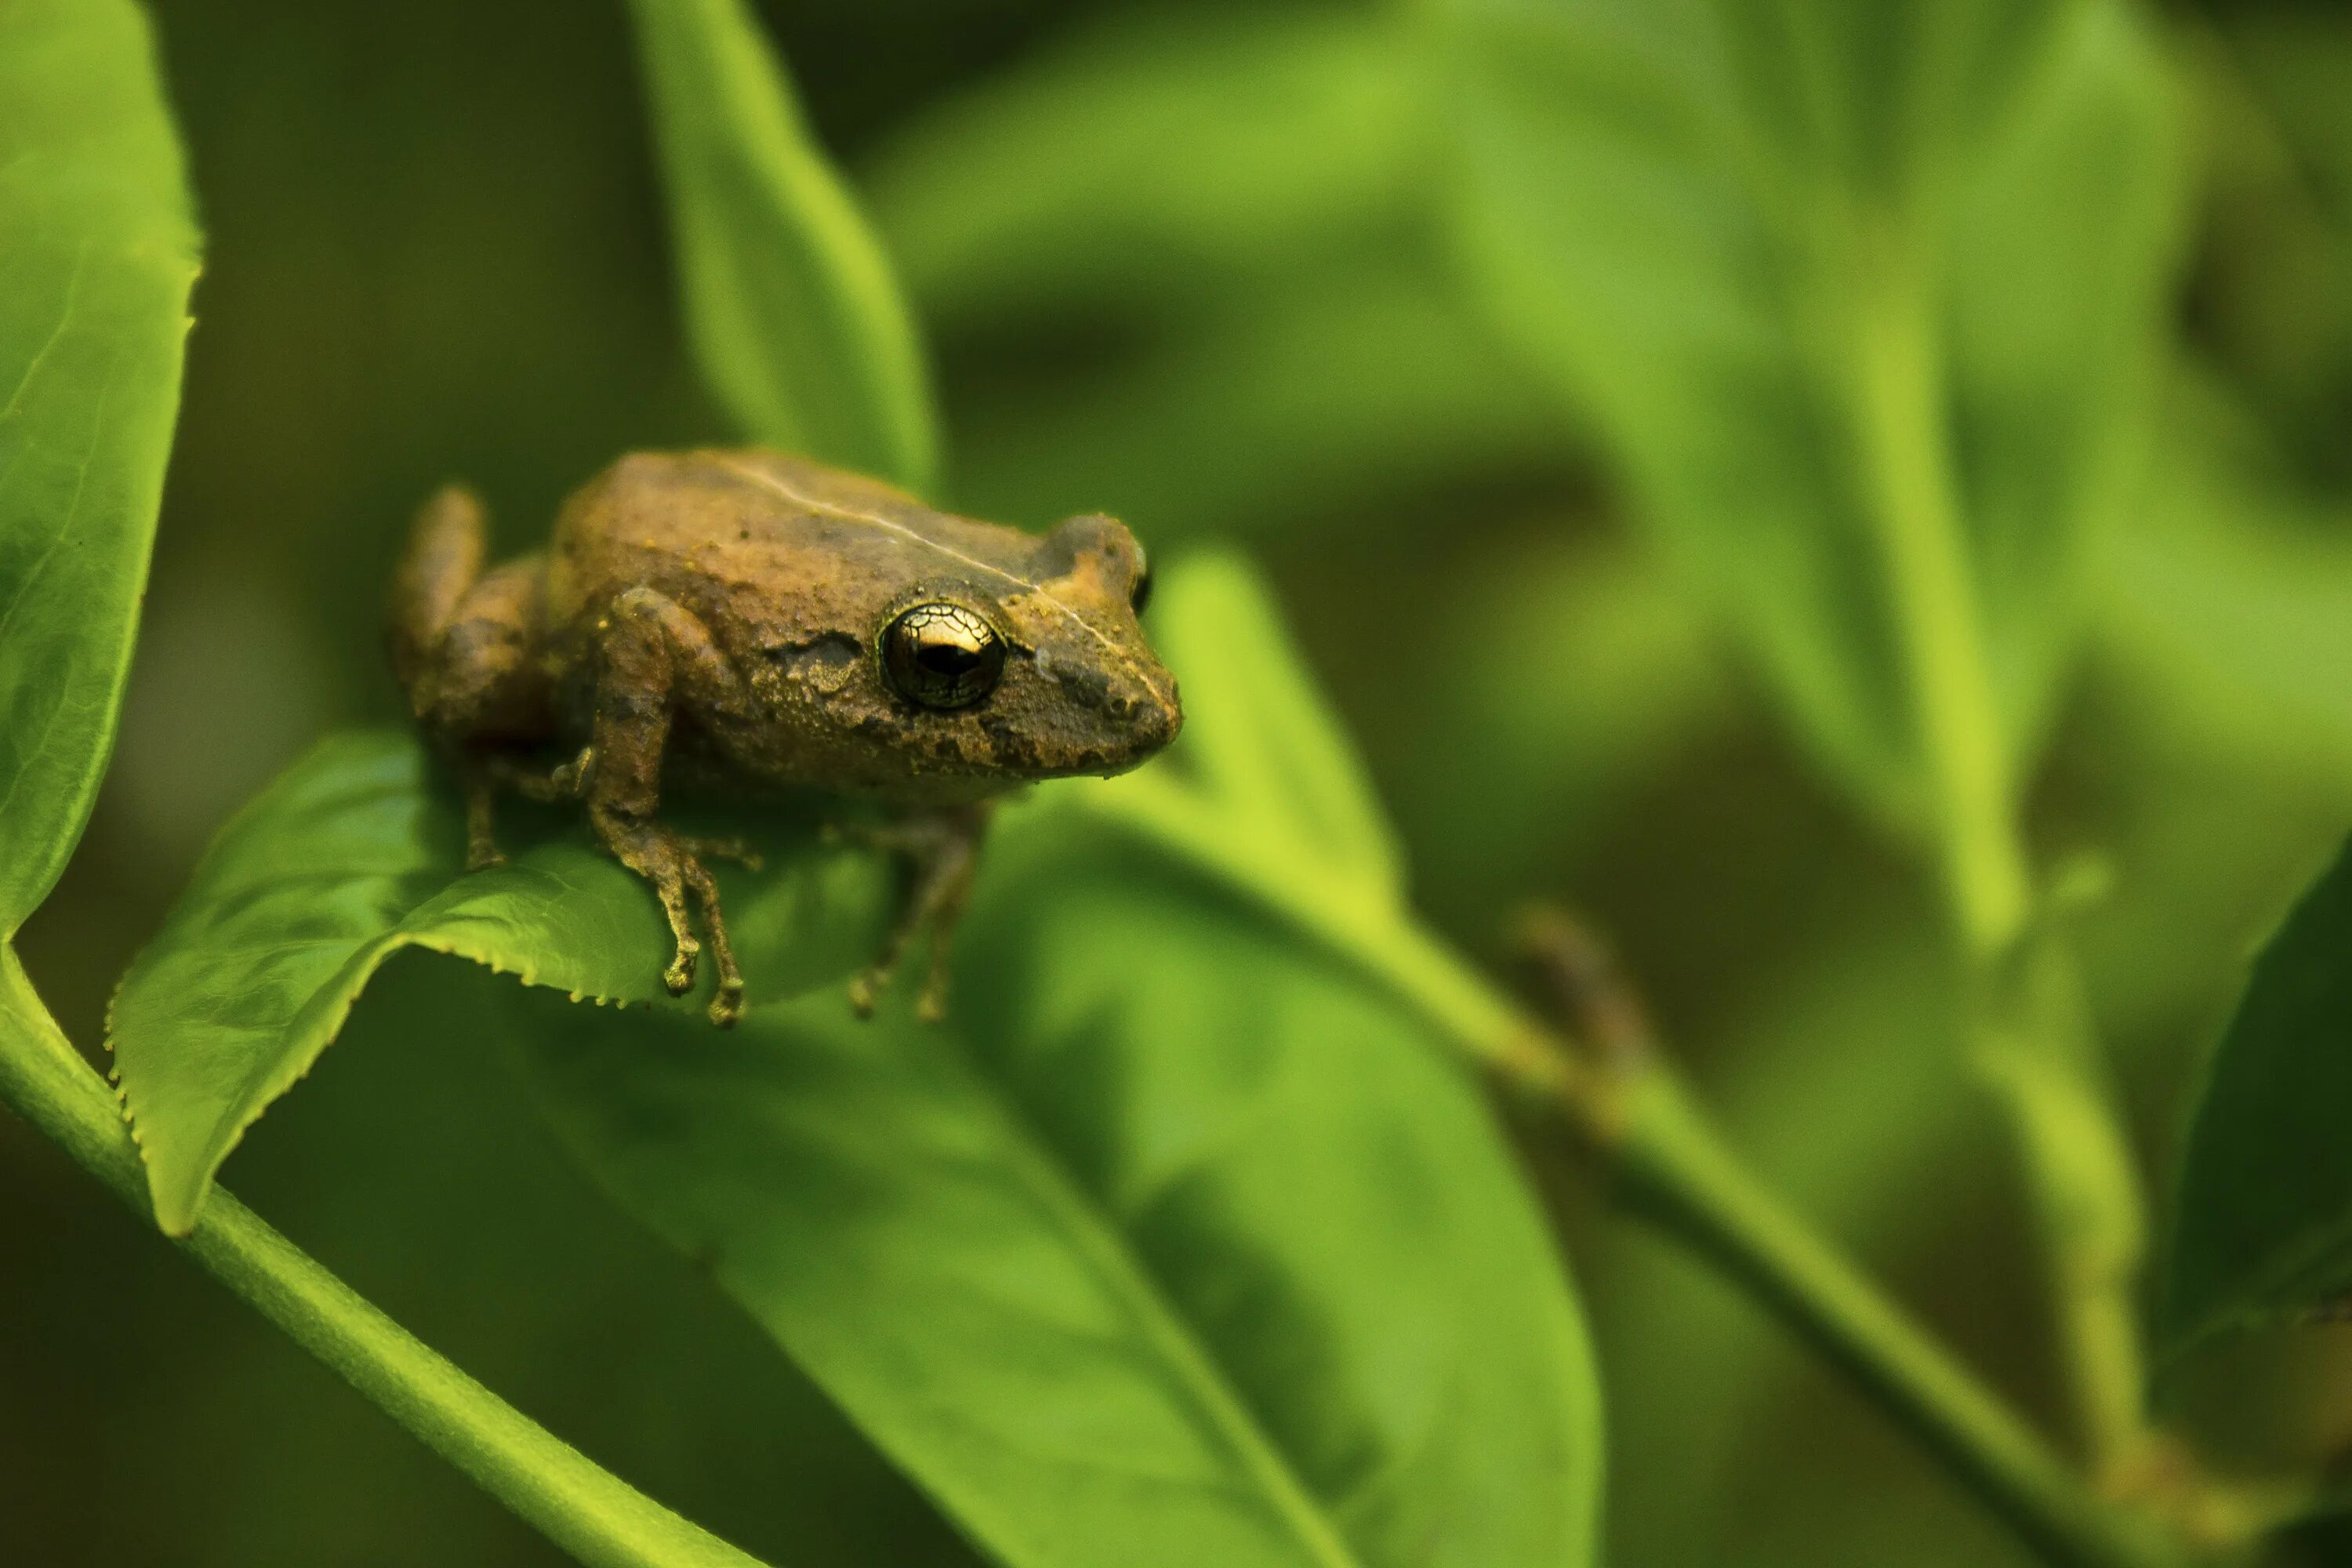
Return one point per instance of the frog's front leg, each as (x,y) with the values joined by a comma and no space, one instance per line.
(655,658)
(943,848)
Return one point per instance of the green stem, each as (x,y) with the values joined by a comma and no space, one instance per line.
(2033,1043)
(1678,1171)
(2034,1046)
(593,1515)
(1930,586)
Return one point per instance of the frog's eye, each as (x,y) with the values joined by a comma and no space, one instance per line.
(941,655)
(1139,595)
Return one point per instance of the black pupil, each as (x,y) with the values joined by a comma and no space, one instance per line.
(949,659)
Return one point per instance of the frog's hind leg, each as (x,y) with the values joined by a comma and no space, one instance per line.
(447,545)
(466,642)
(655,658)
(943,848)
(466,645)
(486,772)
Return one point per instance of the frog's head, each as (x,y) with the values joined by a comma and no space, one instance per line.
(1027,660)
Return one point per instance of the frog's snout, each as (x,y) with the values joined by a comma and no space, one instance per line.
(1115,716)
(1154,718)
(1142,717)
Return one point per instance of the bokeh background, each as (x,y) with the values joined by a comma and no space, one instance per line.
(436,251)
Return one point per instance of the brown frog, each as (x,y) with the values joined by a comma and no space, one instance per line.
(746,620)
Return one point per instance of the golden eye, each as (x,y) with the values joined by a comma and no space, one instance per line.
(940,655)
(1139,596)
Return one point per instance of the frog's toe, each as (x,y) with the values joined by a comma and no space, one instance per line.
(726,1007)
(866,990)
(679,977)
(931,1007)
(570,780)
(734,851)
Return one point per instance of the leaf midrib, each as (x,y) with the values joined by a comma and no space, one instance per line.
(1175,1339)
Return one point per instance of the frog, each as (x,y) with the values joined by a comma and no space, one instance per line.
(750,624)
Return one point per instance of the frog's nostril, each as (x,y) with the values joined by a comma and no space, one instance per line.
(1158,723)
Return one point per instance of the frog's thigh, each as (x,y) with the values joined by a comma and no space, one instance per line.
(487,680)
(446,546)
(655,658)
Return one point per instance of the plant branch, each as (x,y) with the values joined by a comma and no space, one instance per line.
(593,1515)
(2033,1045)
(1899,422)
(2032,1038)
(1675,1170)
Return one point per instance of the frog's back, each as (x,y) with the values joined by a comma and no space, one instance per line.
(768,548)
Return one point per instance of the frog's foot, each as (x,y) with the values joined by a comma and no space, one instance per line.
(943,849)
(481,842)
(734,851)
(565,782)
(485,775)
(865,989)
(932,1007)
(672,865)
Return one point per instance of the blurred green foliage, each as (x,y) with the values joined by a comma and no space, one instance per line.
(2265,1228)
(1180,263)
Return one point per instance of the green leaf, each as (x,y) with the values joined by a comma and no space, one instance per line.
(1261,745)
(98,251)
(794,316)
(350,857)
(1212,1261)
(1152,158)
(2263,1221)
(586,1512)
(1863,298)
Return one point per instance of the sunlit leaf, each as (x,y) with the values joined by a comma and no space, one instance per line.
(793,310)
(1261,745)
(2263,1223)
(98,251)
(350,857)
(1207,1259)
(1265,799)
(1864,297)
